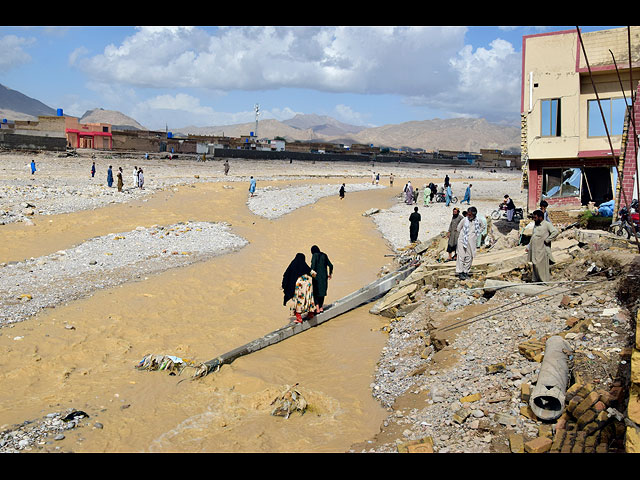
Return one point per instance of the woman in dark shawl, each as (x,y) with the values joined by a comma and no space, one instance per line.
(319,264)
(297,284)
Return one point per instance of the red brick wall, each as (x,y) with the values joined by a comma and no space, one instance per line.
(630,157)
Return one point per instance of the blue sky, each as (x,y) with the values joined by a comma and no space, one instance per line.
(203,76)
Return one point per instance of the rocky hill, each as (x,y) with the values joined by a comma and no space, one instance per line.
(17,106)
(118,121)
(453,134)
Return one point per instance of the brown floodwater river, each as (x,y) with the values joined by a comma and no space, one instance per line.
(199,312)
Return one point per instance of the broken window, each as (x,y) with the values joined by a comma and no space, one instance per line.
(561,182)
(550,118)
(614,111)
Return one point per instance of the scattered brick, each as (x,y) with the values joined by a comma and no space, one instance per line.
(538,445)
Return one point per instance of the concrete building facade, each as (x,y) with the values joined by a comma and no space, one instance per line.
(566,155)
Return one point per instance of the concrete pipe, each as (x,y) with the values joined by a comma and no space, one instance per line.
(548,396)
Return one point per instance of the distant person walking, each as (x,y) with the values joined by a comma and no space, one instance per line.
(297,284)
(448,194)
(252,186)
(426,195)
(33,167)
(414,225)
(467,195)
(93,170)
(377,178)
(110,176)
(446,181)
(135,176)
(226,167)
(408,193)
(140,179)
(342,192)
(320,263)
(391,180)
(120,182)
(373,178)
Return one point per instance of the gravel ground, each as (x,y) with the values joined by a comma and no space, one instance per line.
(63,184)
(489,340)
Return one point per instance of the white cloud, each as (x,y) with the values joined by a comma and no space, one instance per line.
(397,60)
(12,53)
(346,114)
(487,85)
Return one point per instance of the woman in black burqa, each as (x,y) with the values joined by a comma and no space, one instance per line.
(297,284)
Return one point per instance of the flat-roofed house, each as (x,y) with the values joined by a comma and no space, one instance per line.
(567,156)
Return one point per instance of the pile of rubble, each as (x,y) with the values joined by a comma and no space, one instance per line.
(463,356)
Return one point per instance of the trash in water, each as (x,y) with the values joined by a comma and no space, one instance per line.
(169,363)
(75,415)
(289,401)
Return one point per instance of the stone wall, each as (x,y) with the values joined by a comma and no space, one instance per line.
(32,142)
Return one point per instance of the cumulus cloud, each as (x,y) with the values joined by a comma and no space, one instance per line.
(400,60)
(487,83)
(13,53)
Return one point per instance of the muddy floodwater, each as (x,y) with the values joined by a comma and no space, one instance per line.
(198,312)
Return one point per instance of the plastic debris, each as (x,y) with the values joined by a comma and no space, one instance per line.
(169,363)
(289,401)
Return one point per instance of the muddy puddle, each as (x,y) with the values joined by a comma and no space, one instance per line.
(82,355)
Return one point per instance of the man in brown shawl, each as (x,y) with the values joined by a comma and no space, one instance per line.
(539,248)
(452,234)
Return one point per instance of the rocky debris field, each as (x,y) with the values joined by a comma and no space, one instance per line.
(107,261)
(460,363)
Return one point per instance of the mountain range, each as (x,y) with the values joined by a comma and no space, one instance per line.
(463,134)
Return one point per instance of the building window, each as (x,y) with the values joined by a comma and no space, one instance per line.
(561,182)
(550,126)
(614,110)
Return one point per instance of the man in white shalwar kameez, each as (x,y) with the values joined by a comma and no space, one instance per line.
(469,229)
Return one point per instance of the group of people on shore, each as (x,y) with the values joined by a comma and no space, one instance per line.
(138,176)
(307,285)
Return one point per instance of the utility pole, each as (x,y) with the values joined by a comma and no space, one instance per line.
(257,110)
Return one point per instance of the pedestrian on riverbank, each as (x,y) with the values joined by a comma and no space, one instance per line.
(391,180)
(377,178)
(320,263)
(448,194)
(110,176)
(452,234)
(414,225)
(252,186)
(33,167)
(120,182)
(408,193)
(539,248)
(226,167)
(140,179)
(467,195)
(93,170)
(446,181)
(342,192)
(426,195)
(469,229)
(135,176)
(297,284)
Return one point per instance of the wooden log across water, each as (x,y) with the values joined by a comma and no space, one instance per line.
(360,297)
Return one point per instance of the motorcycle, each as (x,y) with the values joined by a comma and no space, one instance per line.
(442,197)
(501,212)
(627,222)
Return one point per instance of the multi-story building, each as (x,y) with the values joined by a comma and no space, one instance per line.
(566,152)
